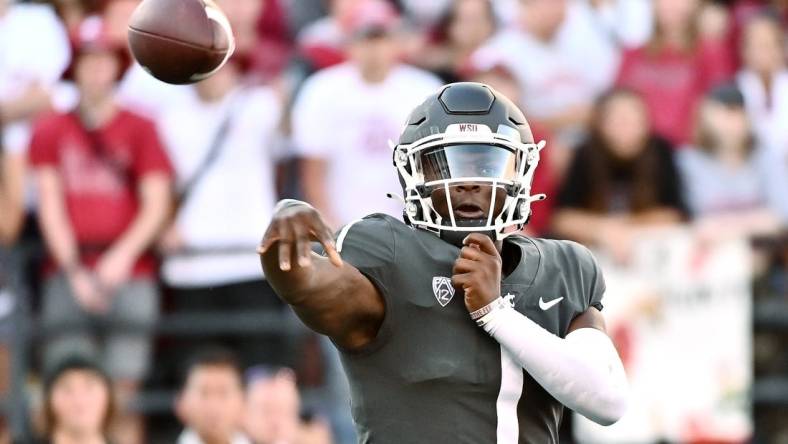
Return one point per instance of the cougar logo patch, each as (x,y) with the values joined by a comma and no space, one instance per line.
(441,287)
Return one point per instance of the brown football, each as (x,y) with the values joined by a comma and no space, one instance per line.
(180,41)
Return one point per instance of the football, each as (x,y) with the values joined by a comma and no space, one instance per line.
(180,41)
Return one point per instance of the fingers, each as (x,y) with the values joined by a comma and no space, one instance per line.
(461,280)
(463,265)
(484,242)
(271,237)
(294,237)
(285,247)
(326,238)
(302,246)
(472,253)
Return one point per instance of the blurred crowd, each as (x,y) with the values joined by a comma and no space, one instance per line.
(124,200)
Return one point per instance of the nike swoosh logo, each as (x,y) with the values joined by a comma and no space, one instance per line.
(546,305)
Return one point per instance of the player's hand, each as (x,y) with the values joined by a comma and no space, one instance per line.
(478,271)
(293,227)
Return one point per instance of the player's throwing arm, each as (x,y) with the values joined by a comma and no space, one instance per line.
(331,297)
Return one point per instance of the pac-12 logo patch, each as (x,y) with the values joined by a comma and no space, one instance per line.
(443,290)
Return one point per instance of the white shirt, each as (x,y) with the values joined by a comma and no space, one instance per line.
(570,70)
(629,21)
(222,219)
(34,48)
(339,117)
(189,436)
(141,92)
(768,114)
(714,188)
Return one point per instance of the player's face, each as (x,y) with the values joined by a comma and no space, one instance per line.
(471,199)
(80,400)
(212,402)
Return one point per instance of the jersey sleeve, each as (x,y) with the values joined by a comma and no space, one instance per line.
(369,245)
(592,277)
(586,284)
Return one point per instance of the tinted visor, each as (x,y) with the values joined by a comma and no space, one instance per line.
(468,160)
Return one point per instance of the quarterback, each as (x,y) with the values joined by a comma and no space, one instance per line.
(453,328)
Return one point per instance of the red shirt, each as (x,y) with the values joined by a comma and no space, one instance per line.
(100,189)
(672,82)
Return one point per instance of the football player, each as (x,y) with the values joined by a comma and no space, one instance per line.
(451,327)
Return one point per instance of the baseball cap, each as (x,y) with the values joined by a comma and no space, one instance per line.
(372,18)
(727,94)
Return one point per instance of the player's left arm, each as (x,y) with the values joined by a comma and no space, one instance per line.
(582,371)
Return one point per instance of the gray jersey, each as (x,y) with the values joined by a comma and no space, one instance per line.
(431,375)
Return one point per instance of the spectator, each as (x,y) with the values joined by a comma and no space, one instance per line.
(211,400)
(561,60)
(629,21)
(339,123)
(272,413)
(222,139)
(621,179)
(764,82)
(464,27)
(34,51)
(425,14)
(322,42)
(12,178)
(138,90)
(78,403)
(103,180)
(686,55)
(735,186)
(13,168)
(73,12)
(744,10)
(504,81)
(272,406)
(261,59)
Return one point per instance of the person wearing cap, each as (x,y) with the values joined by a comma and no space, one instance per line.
(735,186)
(322,42)
(271,413)
(210,401)
(104,193)
(339,122)
(78,402)
(464,26)
(223,139)
(562,59)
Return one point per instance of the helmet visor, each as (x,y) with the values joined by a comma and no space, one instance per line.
(467,160)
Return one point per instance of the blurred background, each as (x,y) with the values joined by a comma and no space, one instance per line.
(132,306)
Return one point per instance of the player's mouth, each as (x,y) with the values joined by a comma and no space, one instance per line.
(469,211)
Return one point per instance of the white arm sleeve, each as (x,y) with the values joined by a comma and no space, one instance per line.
(583,371)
